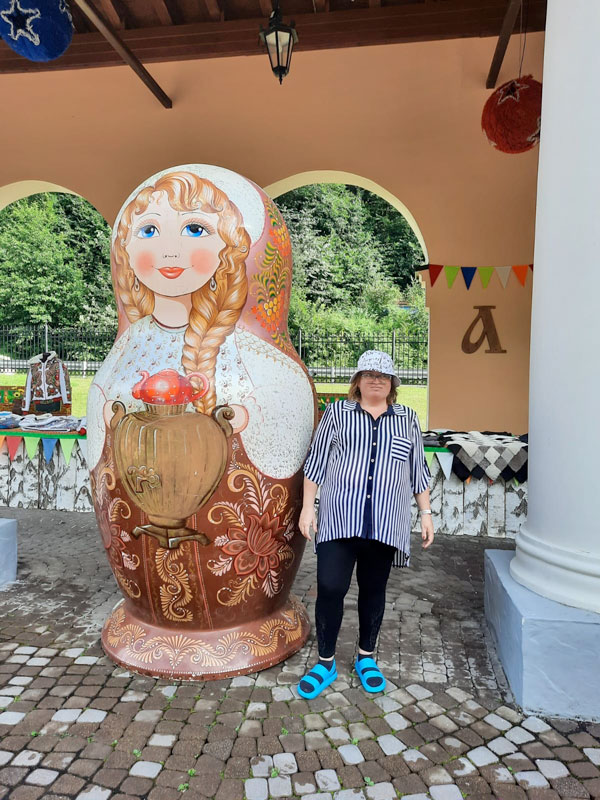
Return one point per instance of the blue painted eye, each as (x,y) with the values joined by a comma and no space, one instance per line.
(148,232)
(194,229)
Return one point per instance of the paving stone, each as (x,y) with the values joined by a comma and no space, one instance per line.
(304,783)
(531,779)
(318,796)
(145,769)
(415,759)
(256,789)
(261,766)
(435,775)
(535,725)
(570,787)
(552,768)
(390,744)
(360,731)
(481,756)
(27,758)
(337,735)
(583,769)
(285,763)
(381,791)
(42,777)
(11,717)
(396,721)
(418,692)
(519,735)
(91,715)
(350,754)
(281,786)
(327,780)
(314,722)
(593,753)
(501,746)
(162,740)
(444,723)
(498,722)
(446,791)
(315,740)
(461,767)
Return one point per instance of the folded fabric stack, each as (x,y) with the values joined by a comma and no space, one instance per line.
(9,420)
(487,453)
(46,423)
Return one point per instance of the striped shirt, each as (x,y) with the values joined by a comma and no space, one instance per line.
(359,461)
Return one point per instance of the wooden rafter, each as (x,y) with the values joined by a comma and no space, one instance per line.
(123,50)
(215,11)
(507,28)
(266,7)
(161,11)
(110,13)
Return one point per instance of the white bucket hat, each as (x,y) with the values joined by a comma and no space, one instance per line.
(377,361)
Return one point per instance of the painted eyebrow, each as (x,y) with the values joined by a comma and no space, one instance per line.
(150,214)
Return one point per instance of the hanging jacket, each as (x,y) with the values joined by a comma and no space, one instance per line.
(47,379)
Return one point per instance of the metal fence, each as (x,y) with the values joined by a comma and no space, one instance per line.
(329,359)
(332,358)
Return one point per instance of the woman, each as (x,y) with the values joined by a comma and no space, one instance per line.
(368,458)
(180,252)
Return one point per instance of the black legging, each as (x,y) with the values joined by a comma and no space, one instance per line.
(335,563)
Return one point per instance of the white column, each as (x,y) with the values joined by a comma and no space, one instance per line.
(558,550)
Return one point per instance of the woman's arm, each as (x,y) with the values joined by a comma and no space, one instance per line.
(308,518)
(423,503)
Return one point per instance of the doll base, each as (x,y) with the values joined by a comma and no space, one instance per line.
(180,654)
(171,537)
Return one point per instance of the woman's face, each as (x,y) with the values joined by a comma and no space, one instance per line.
(171,252)
(374,385)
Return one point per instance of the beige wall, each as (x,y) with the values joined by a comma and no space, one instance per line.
(406,117)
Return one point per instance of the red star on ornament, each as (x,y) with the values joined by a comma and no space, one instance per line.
(511,92)
(20,20)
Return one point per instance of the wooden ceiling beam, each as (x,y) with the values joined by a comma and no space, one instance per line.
(215,12)
(123,50)
(266,8)
(354,27)
(508,25)
(161,11)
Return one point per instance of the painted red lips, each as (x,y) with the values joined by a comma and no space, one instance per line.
(171,272)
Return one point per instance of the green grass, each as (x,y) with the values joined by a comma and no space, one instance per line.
(413,396)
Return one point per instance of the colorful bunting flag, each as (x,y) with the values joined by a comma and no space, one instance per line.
(451,273)
(83,448)
(434,272)
(504,274)
(485,273)
(31,445)
(429,454)
(446,460)
(2,438)
(67,448)
(468,274)
(49,445)
(13,443)
(520,271)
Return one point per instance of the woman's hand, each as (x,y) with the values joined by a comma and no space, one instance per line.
(308,520)
(426,530)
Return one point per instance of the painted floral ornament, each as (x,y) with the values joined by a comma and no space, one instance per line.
(39,30)
(512,115)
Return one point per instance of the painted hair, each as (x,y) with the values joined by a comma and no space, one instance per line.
(214,313)
(354,390)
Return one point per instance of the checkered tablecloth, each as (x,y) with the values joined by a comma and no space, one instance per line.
(486,454)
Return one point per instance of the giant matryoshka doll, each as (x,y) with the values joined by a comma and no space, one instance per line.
(199,421)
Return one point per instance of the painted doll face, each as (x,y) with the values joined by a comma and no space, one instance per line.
(171,252)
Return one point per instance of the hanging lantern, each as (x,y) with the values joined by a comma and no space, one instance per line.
(280,40)
(40,30)
(512,115)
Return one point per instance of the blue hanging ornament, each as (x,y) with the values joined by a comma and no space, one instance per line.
(40,30)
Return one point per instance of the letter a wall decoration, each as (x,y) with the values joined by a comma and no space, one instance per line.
(488,331)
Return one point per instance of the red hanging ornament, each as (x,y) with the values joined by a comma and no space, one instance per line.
(511,117)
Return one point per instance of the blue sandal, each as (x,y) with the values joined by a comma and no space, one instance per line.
(366,669)
(320,678)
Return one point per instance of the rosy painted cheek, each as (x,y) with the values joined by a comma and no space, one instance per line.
(204,262)
(144,262)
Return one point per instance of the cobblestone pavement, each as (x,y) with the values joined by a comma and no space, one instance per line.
(73,725)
